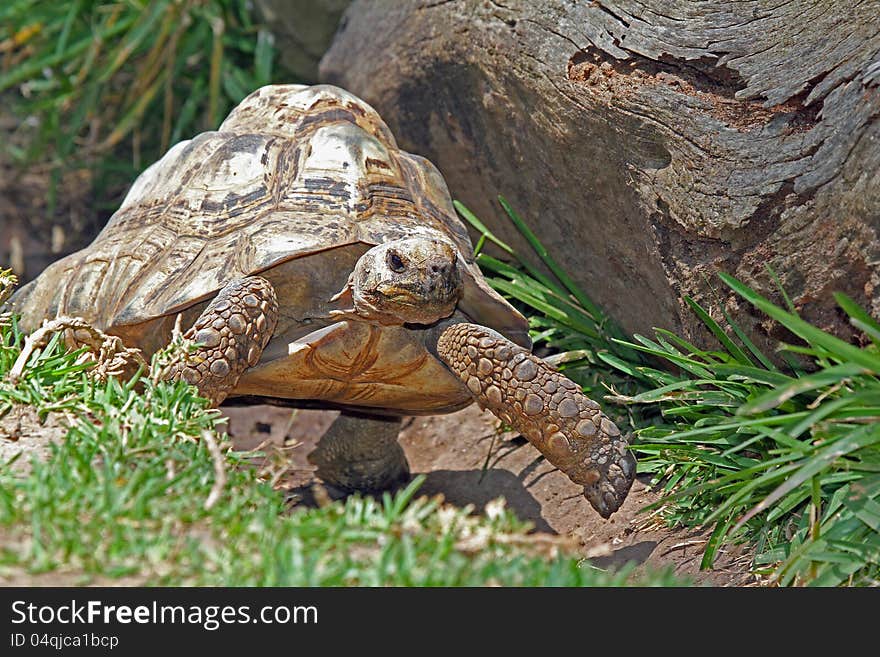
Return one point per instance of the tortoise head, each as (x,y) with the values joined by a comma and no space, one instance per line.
(406,281)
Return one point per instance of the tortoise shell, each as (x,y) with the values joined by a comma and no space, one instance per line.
(296,184)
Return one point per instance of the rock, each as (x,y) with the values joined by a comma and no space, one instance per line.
(650,145)
(303,30)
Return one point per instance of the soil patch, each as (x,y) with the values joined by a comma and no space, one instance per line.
(24,438)
(451,451)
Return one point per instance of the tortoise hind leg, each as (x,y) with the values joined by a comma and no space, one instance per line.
(360,452)
(232,333)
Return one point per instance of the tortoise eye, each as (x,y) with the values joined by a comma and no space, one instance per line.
(395,262)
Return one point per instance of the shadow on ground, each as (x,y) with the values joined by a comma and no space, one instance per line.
(466,461)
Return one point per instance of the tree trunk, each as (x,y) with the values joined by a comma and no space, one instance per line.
(649,143)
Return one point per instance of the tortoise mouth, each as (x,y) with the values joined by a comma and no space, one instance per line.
(398,295)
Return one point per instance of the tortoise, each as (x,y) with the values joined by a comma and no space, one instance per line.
(315,261)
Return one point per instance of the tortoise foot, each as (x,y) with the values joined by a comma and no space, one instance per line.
(361,453)
(548,408)
(232,333)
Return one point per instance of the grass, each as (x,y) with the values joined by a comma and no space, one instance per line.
(146,487)
(108,85)
(785,458)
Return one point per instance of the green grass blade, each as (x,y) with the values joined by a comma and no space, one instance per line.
(753,349)
(548,260)
(752,374)
(731,347)
(856,312)
(781,288)
(472,219)
(264,56)
(33,67)
(865,509)
(827,377)
(858,439)
(811,334)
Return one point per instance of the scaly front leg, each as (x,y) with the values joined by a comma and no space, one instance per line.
(232,332)
(549,409)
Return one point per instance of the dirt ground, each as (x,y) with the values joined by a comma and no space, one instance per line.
(22,435)
(451,451)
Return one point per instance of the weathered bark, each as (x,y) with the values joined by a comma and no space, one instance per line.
(650,143)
